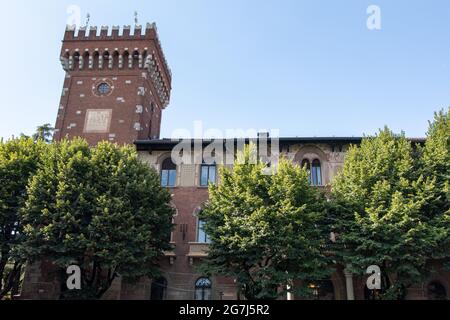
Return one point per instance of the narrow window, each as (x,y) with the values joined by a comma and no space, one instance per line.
(168,173)
(202,237)
(316,173)
(207,174)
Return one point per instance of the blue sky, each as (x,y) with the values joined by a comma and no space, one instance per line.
(308,68)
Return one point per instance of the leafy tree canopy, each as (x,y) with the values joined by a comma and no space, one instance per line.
(385,213)
(99,208)
(44,132)
(265,229)
(19,160)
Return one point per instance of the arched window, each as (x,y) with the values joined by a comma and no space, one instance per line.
(159,288)
(316,173)
(203,289)
(436,291)
(76,61)
(168,173)
(207,174)
(314,170)
(135,59)
(106,56)
(202,237)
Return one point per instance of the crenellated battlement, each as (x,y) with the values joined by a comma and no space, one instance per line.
(94,37)
(126,48)
(110,33)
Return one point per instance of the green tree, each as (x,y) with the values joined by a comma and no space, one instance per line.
(379,206)
(434,190)
(44,132)
(99,208)
(19,159)
(265,230)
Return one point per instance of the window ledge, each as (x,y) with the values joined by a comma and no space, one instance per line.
(198,250)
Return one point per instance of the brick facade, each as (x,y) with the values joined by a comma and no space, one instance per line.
(131,113)
(138,83)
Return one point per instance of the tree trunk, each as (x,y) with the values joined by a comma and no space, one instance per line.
(11,280)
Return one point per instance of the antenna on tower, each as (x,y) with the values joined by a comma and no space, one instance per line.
(88,17)
(135,18)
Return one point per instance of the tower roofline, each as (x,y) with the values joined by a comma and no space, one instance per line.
(127,32)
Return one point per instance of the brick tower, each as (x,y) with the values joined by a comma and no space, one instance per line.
(116,85)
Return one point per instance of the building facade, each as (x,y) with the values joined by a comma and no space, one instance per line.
(117,84)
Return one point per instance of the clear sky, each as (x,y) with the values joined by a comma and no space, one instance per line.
(308,68)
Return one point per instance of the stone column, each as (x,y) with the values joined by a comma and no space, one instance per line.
(290,295)
(349,285)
